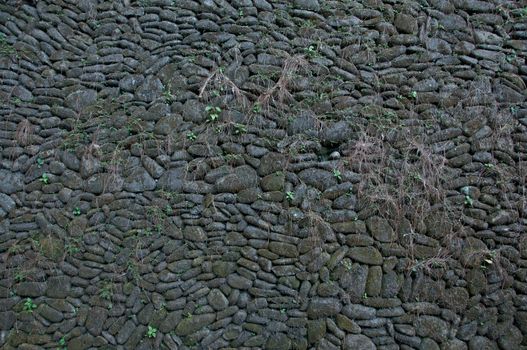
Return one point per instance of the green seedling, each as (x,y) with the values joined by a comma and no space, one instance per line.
(44,179)
(213,113)
(337,174)
(152,332)
(40,162)
(239,129)
(413,94)
(76,211)
(191,136)
(290,195)
(29,305)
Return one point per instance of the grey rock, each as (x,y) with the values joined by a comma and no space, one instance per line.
(139,181)
(217,300)
(95,320)
(323,307)
(11,182)
(6,203)
(318,178)
(431,326)
(193,324)
(149,90)
(358,341)
(311,5)
(79,100)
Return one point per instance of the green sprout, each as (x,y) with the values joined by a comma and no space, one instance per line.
(213,113)
(337,174)
(40,162)
(29,305)
(191,136)
(257,108)
(76,211)
(152,332)
(44,179)
(62,341)
(290,195)
(469,202)
(239,129)
(311,51)
(413,94)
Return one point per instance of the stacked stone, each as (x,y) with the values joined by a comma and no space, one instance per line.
(145,204)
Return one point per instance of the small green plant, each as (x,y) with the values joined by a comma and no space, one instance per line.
(20,276)
(44,179)
(188,315)
(283,311)
(76,211)
(29,305)
(167,95)
(62,342)
(191,136)
(311,51)
(290,195)
(40,162)
(337,174)
(213,113)
(365,296)
(489,166)
(412,94)
(347,264)
(469,202)
(152,332)
(257,107)
(239,129)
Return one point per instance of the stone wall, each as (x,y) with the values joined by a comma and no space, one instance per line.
(263,174)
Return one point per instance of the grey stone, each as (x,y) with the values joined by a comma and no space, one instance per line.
(318,178)
(58,286)
(79,100)
(380,229)
(217,300)
(11,182)
(6,203)
(358,341)
(194,233)
(193,324)
(139,181)
(278,341)
(323,307)
(172,180)
(95,320)
(150,89)
(431,326)
(311,5)
(359,312)
(50,313)
(366,255)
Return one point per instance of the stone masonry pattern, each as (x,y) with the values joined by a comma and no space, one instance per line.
(261,174)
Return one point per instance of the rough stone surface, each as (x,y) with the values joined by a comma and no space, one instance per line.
(258,174)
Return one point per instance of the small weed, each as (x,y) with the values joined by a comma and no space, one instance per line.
(311,51)
(20,276)
(44,179)
(62,341)
(29,305)
(347,264)
(152,332)
(191,136)
(167,95)
(365,296)
(337,174)
(188,315)
(412,94)
(76,211)
(257,108)
(290,195)
(283,311)
(239,129)
(213,113)
(40,162)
